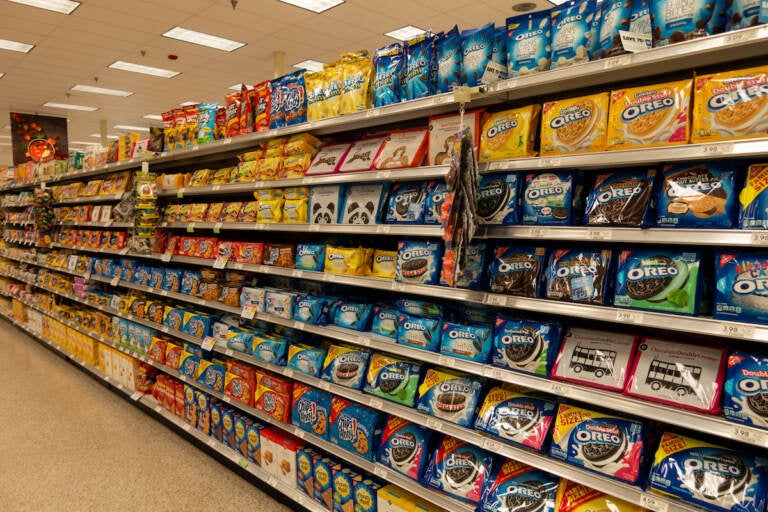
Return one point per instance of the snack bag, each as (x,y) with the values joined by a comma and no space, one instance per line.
(294,98)
(261,107)
(448,58)
(233,113)
(574,125)
(356,84)
(509,134)
(419,56)
(615,17)
(389,69)
(315,85)
(191,113)
(180,124)
(529,43)
(247,95)
(572,33)
(477,51)
(754,198)
(677,23)
(220,129)
(334,77)
(206,122)
(276,113)
(169,132)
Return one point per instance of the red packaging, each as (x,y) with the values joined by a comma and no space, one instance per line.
(206,248)
(178,398)
(247,97)
(233,114)
(186,246)
(402,148)
(273,396)
(93,238)
(239,388)
(180,124)
(173,355)
(262,101)
(191,113)
(249,252)
(242,370)
(220,128)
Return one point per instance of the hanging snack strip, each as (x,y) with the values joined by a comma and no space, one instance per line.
(146,217)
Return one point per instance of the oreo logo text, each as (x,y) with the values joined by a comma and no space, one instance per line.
(631,113)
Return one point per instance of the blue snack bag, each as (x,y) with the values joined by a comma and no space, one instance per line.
(753,199)
(353,315)
(572,33)
(310,257)
(276,113)
(529,43)
(744,13)
(472,275)
(497,69)
(310,309)
(640,21)
(472,342)
(206,121)
(419,53)
(294,98)
(406,203)
(476,53)
(389,71)
(437,193)
(741,294)
(687,20)
(385,321)
(615,15)
(552,198)
(448,58)
(719,22)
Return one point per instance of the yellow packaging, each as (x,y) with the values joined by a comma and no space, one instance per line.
(183,212)
(301,143)
(269,168)
(248,171)
(345,260)
(573,497)
(315,87)
(268,194)
(270,210)
(383,264)
(274,152)
(197,212)
(731,105)
(294,166)
(214,212)
(654,115)
(296,192)
(356,84)
(200,178)
(334,76)
(251,156)
(231,212)
(509,134)
(221,176)
(249,212)
(295,211)
(574,125)
(277,143)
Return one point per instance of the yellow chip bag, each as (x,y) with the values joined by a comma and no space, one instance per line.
(383,264)
(574,125)
(268,194)
(731,105)
(301,143)
(249,212)
(295,211)
(509,134)
(248,171)
(231,212)
(197,212)
(251,156)
(269,168)
(345,260)
(270,210)
(200,178)
(294,166)
(296,192)
(655,115)
(334,76)
(277,143)
(315,86)
(356,84)
(220,176)
(214,212)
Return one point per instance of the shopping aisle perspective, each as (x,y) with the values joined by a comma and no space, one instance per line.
(68,443)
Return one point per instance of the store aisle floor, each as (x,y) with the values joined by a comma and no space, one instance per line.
(69,444)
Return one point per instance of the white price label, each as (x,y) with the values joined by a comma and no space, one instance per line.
(216,188)
(462,94)
(272,481)
(212,443)
(736,37)
(137,395)
(180,193)
(297,325)
(632,317)
(380,472)
(434,424)
(208,343)
(227,141)
(599,234)
(497,165)
(374,112)
(376,403)
(446,361)
(494,373)
(182,377)
(166,257)
(314,228)
(165,329)
(124,251)
(227,399)
(115,280)
(87,276)
(746,435)
(493,299)
(385,175)
(760,238)
(249,311)
(144,166)
(158,408)
(325,385)
(106,377)
(616,62)
(558,389)
(217,228)
(549,163)
(364,341)
(237,266)
(492,446)
(288,373)
(220,262)
(737,331)
(228,352)
(299,433)
(538,232)
(717,149)
(295,273)
(164,293)
(654,503)
(384,229)
(195,148)
(191,227)
(187,427)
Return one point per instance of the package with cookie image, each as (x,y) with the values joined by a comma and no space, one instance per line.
(517,270)
(306,358)
(355,428)
(579,275)
(574,497)
(517,417)
(448,60)
(393,378)
(353,315)
(498,197)
(459,469)
(741,294)
(310,309)
(623,198)
(678,374)
(509,134)
(405,447)
(599,442)
(311,409)
(575,125)
(346,365)
(361,155)
(746,390)
(516,487)
(443,130)
(712,476)
(476,54)
(242,424)
(273,396)
(322,471)
(753,198)
(745,13)
(420,55)
(451,396)
(384,321)
(552,198)
(388,75)
(253,441)
(228,418)
(673,23)
(406,203)
(363,204)
(418,332)
(698,196)
(473,275)
(402,148)
(572,33)
(529,43)
(466,341)
(525,345)
(418,262)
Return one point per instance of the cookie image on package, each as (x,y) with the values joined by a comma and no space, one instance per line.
(361,213)
(488,205)
(758,403)
(460,470)
(572,133)
(516,275)
(346,371)
(415,268)
(702,204)
(323,213)
(578,276)
(404,450)
(650,288)
(394,382)
(614,206)
(601,454)
(512,426)
(712,485)
(531,501)
(526,350)
(451,402)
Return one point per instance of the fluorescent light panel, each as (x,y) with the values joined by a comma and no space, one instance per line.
(132,128)
(101,90)
(98,136)
(62,6)
(309,65)
(235,87)
(154,117)
(7,44)
(558,2)
(188,103)
(405,33)
(68,106)
(314,5)
(211,41)
(145,70)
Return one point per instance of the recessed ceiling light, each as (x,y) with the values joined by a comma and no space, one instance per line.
(524,7)
(98,136)
(188,103)
(314,5)
(84,143)
(146,70)
(191,36)
(6,44)
(62,6)
(133,128)
(67,106)
(154,117)
(235,87)
(2,75)
(406,33)
(101,90)
(309,65)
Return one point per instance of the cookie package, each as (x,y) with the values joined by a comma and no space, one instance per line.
(572,33)
(529,45)
(525,345)
(517,487)
(407,203)
(679,23)
(741,293)
(746,390)
(355,428)
(623,198)
(574,125)
(393,379)
(498,196)
(443,129)
(754,198)
(361,155)
(311,409)
(362,204)
(402,148)
(472,342)
(328,159)
(459,469)
(517,270)
(474,273)
(509,134)
(405,447)
(346,365)
(574,497)
(418,332)
(418,262)
(450,396)
(578,275)
(552,198)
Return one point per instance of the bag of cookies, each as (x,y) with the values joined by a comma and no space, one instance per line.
(573,497)
(572,33)
(746,400)
(527,346)
(448,57)
(552,198)
(477,52)
(529,47)
(509,134)
(574,125)
(623,198)
(514,486)
(355,428)
(311,409)
(579,275)
(389,75)
(459,469)
(402,148)
(405,447)
(419,53)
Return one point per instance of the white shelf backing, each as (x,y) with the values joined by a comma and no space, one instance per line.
(91,199)
(353,229)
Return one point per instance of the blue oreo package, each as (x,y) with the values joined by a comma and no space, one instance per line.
(448,58)
(276,113)
(529,43)
(472,342)
(741,294)
(498,196)
(516,417)
(306,359)
(353,315)
(597,19)
(310,257)
(476,53)
(719,22)
(517,270)
(405,447)
(419,308)
(388,80)
(745,399)
(418,332)
(698,196)
(310,309)
(459,469)
(640,20)
(407,203)
(526,345)
(294,98)
(437,193)
(623,198)
(579,275)
(418,262)
(497,69)
(522,486)
(419,53)
(450,395)
(572,33)
(614,16)
(269,349)
(473,274)
(384,321)
(552,198)
(680,21)
(753,199)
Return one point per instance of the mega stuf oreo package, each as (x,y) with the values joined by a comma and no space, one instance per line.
(621,199)
(406,203)
(742,287)
(746,389)
(450,396)
(346,365)
(405,447)
(517,487)
(392,378)
(552,198)
(517,270)
(497,199)
(418,262)
(599,442)
(516,417)
(712,476)
(578,275)
(525,345)
(659,280)
(459,469)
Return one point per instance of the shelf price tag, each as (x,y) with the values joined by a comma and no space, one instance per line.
(380,472)
(631,317)
(760,238)
(180,193)
(549,163)
(746,435)
(462,94)
(376,403)
(137,395)
(493,299)
(228,352)
(617,62)
(538,232)
(558,389)
(599,234)
(217,228)
(124,251)
(158,408)
(215,188)
(242,463)
(654,503)
(434,424)
(272,481)
(187,427)
(114,281)
(494,373)
(144,166)
(492,446)
(383,229)
(220,262)
(497,165)
(446,361)
(248,312)
(314,228)
(288,373)
(166,257)
(227,399)
(191,227)
(212,443)
(208,343)
(87,276)
(299,433)
(324,385)
(717,149)
(737,331)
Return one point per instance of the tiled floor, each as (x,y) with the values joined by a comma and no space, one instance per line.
(69,444)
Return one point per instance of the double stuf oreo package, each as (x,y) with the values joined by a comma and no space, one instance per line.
(578,275)
(525,345)
(715,477)
(746,390)
(698,196)
(449,396)
(497,199)
(621,199)
(517,270)
(471,342)
(552,198)
(405,447)
(459,469)
(516,417)
(517,487)
(392,378)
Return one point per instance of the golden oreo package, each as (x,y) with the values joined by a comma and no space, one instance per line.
(509,134)
(356,85)
(345,260)
(574,497)
(316,104)
(731,105)
(655,115)
(574,125)
(383,264)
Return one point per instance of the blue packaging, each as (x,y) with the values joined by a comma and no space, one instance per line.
(437,193)
(346,365)
(459,469)
(746,390)
(269,349)
(310,410)
(418,262)
(419,53)
(294,98)
(472,342)
(497,199)
(172,279)
(189,282)
(754,198)
(525,487)
(763,15)
(405,447)
(552,198)
(451,396)
(623,198)
(742,287)
(388,81)
(526,345)
(719,22)
(239,339)
(423,333)
(516,417)
(306,359)
(476,53)
(406,203)
(355,428)
(198,325)
(419,308)
(276,114)
(353,315)
(615,16)
(473,275)
(517,270)
(579,275)
(698,196)
(393,379)
(156,277)
(448,56)
(310,309)
(529,43)
(310,257)
(384,321)
(572,33)
(687,20)
(497,70)
(597,19)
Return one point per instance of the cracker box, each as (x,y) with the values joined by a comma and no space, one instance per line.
(509,134)
(242,425)
(211,375)
(595,358)
(328,159)
(525,345)
(253,441)
(355,428)
(361,155)
(311,409)
(575,125)
(449,396)
(514,486)
(459,469)
(405,447)
(344,480)
(714,477)
(366,494)
(606,444)
(573,497)
(516,417)
(228,417)
(443,129)
(306,359)
(730,105)
(746,390)
(346,365)
(322,471)
(203,412)
(649,116)
(217,428)
(305,480)
(239,388)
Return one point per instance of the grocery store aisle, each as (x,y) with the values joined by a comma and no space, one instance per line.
(67,443)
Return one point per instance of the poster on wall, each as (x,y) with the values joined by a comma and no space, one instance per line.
(38,139)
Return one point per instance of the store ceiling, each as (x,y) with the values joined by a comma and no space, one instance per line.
(77,48)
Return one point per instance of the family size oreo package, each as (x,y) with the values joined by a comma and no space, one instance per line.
(517,487)
(419,332)
(659,280)
(406,203)
(698,196)
(459,469)
(472,342)
(742,287)
(754,198)
(310,309)
(525,345)
(516,417)
(578,275)
(595,358)
(552,198)
(497,199)
(572,33)
(418,262)
(746,390)
(362,203)
(346,365)
(449,396)
(517,270)
(529,43)
(392,378)
(606,444)
(306,359)
(622,198)
(709,475)
(405,447)
(574,497)
(678,374)
(439,200)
